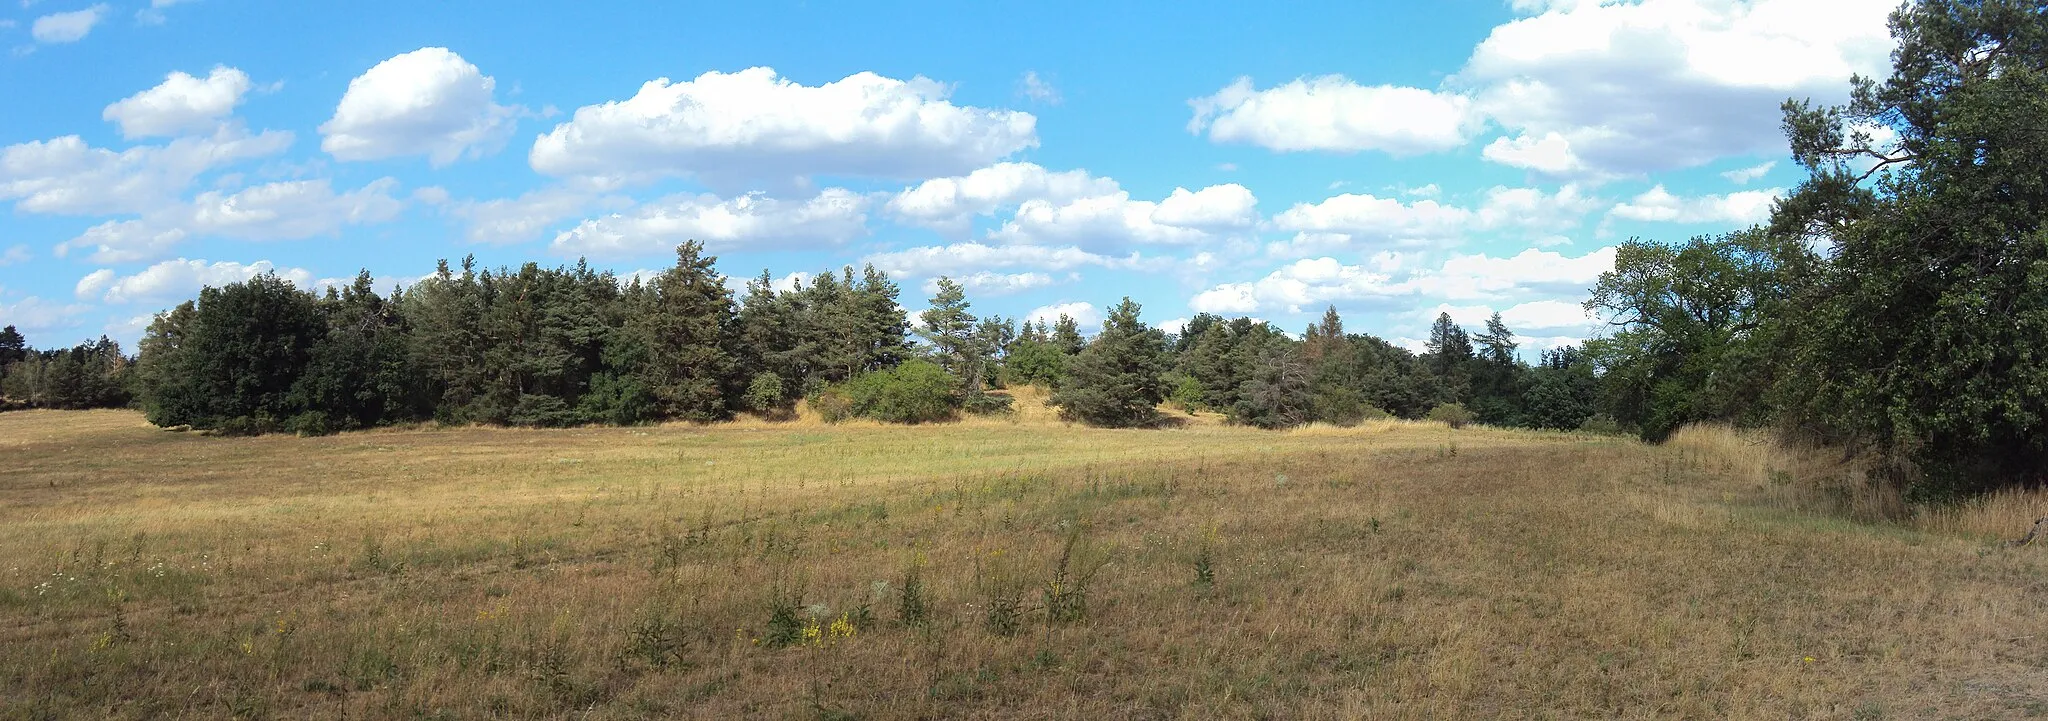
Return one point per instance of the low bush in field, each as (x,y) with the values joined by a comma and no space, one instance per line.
(1453,414)
(914,392)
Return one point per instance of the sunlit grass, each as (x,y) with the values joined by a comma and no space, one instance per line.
(756,569)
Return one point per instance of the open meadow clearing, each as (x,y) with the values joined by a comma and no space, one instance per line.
(991,568)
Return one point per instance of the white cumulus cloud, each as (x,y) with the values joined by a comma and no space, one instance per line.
(1605,89)
(154,14)
(1368,215)
(961,259)
(754,124)
(1534,211)
(1744,208)
(66,176)
(288,210)
(1389,279)
(180,104)
(123,241)
(753,220)
(1335,114)
(292,210)
(1743,176)
(1535,317)
(15,254)
(1086,317)
(426,102)
(1037,89)
(1531,271)
(1218,206)
(1548,315)
(1550,153)
(949,204)
(94,283)
(988,283)
(173,280)
(1302,284)
(34,316)
(1112,220)
(528,216)
(1354,220)
(67,27)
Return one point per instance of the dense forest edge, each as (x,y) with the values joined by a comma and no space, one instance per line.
(1895,307)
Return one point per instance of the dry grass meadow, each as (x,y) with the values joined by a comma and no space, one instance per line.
(754,570)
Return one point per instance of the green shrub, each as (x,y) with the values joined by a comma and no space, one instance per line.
(1184,392)
(1338,405)
(1036,363)
(785,628)
(1603,424)
(764,394)
(914,392)
(914,603)
(310,423)
(1454,414)
(616,399)
(832,404)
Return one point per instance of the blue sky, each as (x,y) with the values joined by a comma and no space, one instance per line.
(1392,159)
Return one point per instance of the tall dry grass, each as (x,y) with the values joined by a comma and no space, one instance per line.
(1820,480)
(757,570)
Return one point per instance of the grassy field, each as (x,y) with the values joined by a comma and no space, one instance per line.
(990,569)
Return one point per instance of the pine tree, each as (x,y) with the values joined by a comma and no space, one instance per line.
(1191,333)
(997,335)
(1210,362)
(830,340)
(617,393)
(1449,351)
(884,329)
(444,314)
(951,331)
(768,340)
(359,373)
(684,320)
(1031,332)
(1322,336)
(1066,335)
(1275,393)
(1116,381)
(93,374)
(1497,396)
(13,348)
(1035,360)
(1921,336)
(1448,344)
(1497,343)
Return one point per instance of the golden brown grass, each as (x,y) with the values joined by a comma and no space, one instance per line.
(1395,570)
(1823,482)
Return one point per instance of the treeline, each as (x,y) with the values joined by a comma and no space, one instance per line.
(532,346)
(93,374)
(572,345)
(1895,306)
(1258,375)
